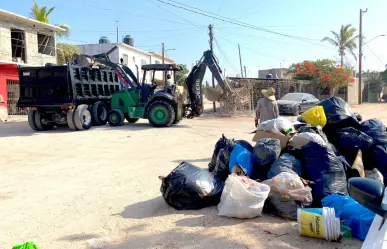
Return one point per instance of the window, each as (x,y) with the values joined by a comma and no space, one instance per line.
(46,44)
(18,45)
(157,62)
(125,59)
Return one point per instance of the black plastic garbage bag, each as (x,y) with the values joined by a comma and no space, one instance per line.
(349,141)
(318,130)
(222,143)
(338,114)
(285,163)
(245,145)
(188,187)
(266,151)
(375,157)
(376,130)
(222,169)
(323,168)
(275,205)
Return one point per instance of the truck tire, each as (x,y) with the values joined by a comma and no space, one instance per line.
(82,118)
(161,114)
(129,119)
(31,120)
(70,120)
(99,113)
(42,123)
(116,117)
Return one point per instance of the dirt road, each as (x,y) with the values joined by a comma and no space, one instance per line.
(61,188)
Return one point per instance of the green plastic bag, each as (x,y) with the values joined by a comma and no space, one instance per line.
(27,245)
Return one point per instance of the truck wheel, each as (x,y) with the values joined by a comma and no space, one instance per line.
(116,117)
(82,118)
(42,122)
(31,120)
(129,119)
(99,113)
(161,114)
(70,120)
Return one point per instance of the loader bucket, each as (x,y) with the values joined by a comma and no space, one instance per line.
(213,94)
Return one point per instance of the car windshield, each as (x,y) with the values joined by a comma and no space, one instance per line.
(293,96)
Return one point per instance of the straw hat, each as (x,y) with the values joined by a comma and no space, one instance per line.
(269,93)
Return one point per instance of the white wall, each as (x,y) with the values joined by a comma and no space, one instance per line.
(135,57)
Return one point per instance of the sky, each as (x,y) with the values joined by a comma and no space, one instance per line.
(185,34)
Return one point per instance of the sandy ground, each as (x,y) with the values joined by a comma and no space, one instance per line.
(61,188)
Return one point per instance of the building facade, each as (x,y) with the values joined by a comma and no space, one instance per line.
(277,73)
(23,42)
(132,57)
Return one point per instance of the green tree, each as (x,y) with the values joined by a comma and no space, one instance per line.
(181,76)
(375,82)
(65,52)
(345,41)
(383,76)
(323,74)
(42,14)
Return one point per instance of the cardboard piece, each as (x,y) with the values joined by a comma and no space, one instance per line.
(263,134)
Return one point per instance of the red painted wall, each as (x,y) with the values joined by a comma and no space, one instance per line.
(7,72)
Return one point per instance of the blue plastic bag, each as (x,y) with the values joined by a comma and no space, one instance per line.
(354,215)
(242,157)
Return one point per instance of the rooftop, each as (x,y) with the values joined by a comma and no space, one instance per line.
(15,18)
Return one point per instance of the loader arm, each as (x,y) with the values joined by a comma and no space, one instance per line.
(195,78)
(126,76)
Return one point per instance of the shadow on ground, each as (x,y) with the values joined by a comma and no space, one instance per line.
(21,129)
(203,160)
(79,237)
(138,127)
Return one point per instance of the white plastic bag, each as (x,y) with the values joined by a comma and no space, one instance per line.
(242,197)
(280,126)
(301,139)
(289,185)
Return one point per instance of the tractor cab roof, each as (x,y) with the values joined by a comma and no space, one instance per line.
(161,67)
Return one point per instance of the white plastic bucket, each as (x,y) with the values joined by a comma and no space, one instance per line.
(318,223)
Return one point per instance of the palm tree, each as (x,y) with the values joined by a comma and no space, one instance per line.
(42,14)
(345,41)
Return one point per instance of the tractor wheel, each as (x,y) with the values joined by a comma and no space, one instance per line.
(70,120)
(31,120)
(116,117)
(129,119)
(161,114)
(99,113)
(42,122)
(82,118)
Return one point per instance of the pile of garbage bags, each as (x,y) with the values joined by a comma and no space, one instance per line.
(289,167)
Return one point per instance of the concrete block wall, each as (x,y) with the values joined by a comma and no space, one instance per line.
(33,57)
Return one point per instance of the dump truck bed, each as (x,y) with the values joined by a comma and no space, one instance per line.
(65,85)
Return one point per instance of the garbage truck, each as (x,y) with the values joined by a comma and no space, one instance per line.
(93,90)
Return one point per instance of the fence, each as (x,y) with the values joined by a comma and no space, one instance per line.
(13,93)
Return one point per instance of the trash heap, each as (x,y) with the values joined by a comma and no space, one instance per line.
(297,171)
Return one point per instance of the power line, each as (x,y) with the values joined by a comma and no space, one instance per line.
(187,21)
(124,12)
(375,55)
(232,21)
(224,55)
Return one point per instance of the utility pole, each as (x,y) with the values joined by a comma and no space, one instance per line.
(224,72)
(211,48)
(361,54)
(117,30)
(240,60)
(245,71)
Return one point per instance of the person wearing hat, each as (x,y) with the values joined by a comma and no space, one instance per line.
(267,107)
